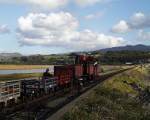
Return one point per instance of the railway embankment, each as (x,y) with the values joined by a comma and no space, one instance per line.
(124,96)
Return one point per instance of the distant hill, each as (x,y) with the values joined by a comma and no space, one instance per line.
(9,55)
(129,48)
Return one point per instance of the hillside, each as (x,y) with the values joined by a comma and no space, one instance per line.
(115,55)
(128,48)
(9,55)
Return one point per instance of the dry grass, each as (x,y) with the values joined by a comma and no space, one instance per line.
(107,68)
(23,67)
(113,100)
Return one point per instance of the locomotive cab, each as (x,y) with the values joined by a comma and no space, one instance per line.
(90,65)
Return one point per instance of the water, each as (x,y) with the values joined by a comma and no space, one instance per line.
(6,72)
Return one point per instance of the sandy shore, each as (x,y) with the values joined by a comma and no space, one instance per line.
(23,67)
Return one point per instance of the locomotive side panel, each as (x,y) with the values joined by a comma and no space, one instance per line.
(78,71)
(64,74)
(91,70)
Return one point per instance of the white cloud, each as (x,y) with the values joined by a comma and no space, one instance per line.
(121,27)
(143,35)
(61,30)
(93,16)
(88,2)
(4,29)
(46,4)
(52,4)
(137,21)
(138,17)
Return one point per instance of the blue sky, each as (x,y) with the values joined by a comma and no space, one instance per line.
(58,26)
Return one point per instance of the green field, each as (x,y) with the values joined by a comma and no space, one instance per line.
(116,99)
(19,76)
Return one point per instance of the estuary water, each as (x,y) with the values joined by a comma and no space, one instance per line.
(6,72)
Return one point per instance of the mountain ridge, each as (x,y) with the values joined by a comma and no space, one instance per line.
(139,47)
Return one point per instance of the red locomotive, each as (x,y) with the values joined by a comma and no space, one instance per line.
(84,67)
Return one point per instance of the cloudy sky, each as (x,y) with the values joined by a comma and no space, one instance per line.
(58,26)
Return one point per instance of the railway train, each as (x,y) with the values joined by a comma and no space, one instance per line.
(83,71)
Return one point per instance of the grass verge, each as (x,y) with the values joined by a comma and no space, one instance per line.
(115,99)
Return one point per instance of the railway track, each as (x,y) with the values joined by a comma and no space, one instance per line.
(37,106)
